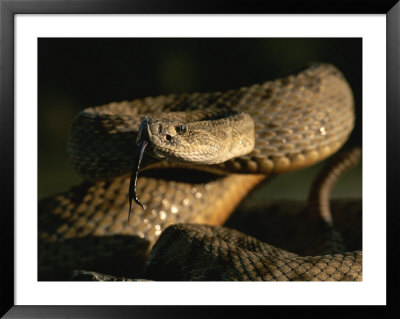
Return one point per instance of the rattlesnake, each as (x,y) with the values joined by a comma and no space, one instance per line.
(297,121)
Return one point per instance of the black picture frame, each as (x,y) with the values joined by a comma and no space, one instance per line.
(8,10)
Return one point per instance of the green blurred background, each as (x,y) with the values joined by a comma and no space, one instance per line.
(77,73)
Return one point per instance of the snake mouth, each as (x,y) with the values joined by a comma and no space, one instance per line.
(154,142)
(145,138)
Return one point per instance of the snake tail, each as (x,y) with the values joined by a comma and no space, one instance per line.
(318,200)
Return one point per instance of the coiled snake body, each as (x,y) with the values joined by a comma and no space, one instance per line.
(246,135)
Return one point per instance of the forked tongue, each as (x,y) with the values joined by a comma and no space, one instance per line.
(134,176)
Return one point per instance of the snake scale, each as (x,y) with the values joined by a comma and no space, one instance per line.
(296,121)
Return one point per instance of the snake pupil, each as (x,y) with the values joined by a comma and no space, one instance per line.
(180,129)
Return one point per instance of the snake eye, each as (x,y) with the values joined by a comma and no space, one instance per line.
(180,129)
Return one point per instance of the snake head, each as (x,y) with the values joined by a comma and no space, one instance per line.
(165,138)
(161,130)
(198,141)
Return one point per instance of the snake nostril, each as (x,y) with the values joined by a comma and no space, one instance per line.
(168,137)
(160,128)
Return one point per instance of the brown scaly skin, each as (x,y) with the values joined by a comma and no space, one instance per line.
(299,120)
(203,252)
(281,223)
(87,227)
